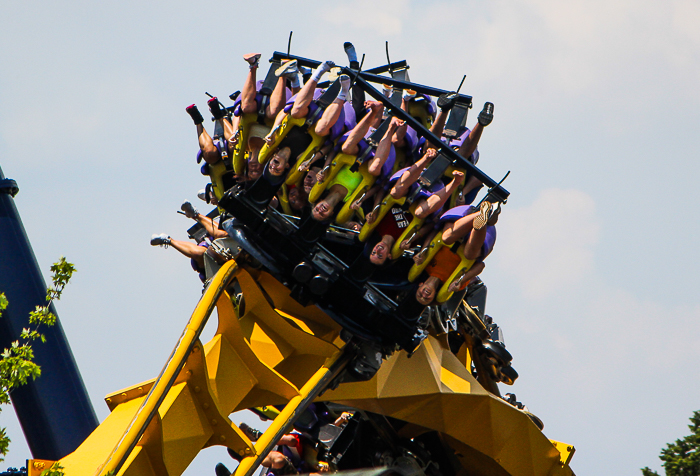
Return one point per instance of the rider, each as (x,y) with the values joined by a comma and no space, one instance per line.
(480,230)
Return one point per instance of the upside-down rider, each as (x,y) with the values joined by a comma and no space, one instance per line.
(480,232)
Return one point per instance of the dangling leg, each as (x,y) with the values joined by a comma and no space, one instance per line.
(459,229)
(209,150)
(384,148)
(410,176)
(278,98)
(229,131)
(306,94)
(472,249)
(488,215)
(289,70)
(332,112)
(438,126)
(350,146)
(485,117)
(248,103)
(188,249)
(434,202)
(206,144)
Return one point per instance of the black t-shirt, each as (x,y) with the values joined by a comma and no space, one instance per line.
(297,140)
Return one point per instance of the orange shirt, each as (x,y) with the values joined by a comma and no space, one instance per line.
(443,264)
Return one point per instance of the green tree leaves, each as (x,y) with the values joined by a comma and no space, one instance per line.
(682,458)
(16,363)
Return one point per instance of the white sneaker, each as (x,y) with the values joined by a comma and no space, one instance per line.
(409,94)
(189,209)
(288,68)
(160,240)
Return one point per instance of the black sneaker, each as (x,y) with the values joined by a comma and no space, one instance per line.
(250,432)
(446,101)
(194,114)
(352,55)
(215,108)
(234,455)
(486,114)
(221,470)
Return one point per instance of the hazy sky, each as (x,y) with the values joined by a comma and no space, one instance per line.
(596,114)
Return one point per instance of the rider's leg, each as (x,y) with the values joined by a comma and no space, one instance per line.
(306,94)
(277,99)
(410,176)
(332,112)
(438,125)
(434,202)
(485,117)
(350,146)
(383,149)
(209,151)
(248,103)
(190,250)
(472,250)
(206,144)
(458,229)
(471,141)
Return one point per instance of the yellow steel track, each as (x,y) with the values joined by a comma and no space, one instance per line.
(277,352)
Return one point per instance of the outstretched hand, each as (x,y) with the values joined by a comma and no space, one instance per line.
(396,123)
(430,153)
(374,107)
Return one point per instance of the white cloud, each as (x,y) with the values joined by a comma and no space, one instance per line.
(577,47)
(548,246)
(383,18)
(647,333)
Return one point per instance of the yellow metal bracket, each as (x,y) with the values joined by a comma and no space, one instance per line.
(565,450)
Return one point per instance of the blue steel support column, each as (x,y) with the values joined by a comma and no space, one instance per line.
(54,410)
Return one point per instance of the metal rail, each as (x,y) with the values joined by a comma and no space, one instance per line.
(364,78)
(497,191)
(170,371)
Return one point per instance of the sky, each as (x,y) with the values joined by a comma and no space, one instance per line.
(596,115)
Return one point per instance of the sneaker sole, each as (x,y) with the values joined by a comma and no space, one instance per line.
(252,58)
(286,68)
(483,218)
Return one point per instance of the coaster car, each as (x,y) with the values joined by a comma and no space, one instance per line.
(294,328)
